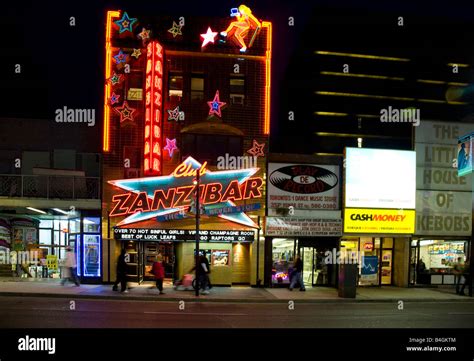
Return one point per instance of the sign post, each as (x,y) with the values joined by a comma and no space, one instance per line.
(198,206)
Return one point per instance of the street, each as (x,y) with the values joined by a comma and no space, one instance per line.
(36,312)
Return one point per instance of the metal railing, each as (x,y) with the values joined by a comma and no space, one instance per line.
(49,186)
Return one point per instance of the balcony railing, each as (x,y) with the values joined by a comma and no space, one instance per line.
(50,187)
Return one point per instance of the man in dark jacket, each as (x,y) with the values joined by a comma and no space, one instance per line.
(203,274)
(297,275)
(121,273)
(467,278)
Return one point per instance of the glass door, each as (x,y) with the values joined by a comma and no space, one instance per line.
(307,256)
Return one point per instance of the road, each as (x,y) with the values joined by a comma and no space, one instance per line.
(36,312)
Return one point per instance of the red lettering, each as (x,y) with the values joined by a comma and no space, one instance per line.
(184,192)
(212,193)
(232,192)
(140,203)
(121,199)
(160,200)
(252,188)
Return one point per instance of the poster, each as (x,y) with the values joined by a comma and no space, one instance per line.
(464,155)
(369,269)
(220,258)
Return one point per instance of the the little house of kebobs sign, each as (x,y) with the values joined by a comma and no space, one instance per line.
(154,197)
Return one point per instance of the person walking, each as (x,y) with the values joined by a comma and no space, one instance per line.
(297,275)
(457,271)
(121,273)
(158,270)
(203,274)
(70,267)
(467,278)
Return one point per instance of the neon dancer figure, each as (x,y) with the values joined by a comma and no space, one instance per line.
(242,26)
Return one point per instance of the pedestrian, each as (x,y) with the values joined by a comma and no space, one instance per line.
(466,273)
(297,275)
(158,270)
(121,273)
(70,268)
(457,271)
(203,274)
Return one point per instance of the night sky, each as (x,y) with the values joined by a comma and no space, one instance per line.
(64,65)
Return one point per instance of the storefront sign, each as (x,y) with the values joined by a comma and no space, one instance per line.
(380,178)
(147,234)
(304,227)
(52,262)
(444,200)
(398,221)
(152,197)
(303,186)
(153,105)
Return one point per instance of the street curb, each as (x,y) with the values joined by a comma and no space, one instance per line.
(223,300)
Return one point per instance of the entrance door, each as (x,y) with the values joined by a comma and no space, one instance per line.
(307,256)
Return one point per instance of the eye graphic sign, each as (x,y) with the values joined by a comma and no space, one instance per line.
(303,186)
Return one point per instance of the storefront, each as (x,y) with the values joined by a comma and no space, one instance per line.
(157,216)
(228,252)
(432,261)
(304,219)
(315,253)
(379,214)
(443,206)
(37,244)
(374,257)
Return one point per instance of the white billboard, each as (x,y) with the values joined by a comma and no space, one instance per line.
(380,178)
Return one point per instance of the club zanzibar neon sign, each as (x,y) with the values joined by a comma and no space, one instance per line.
(152,197)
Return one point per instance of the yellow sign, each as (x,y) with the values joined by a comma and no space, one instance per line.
(52,262)
(358,220)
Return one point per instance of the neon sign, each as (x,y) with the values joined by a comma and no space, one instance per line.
(242,27)
(170,146)
(215,105)
(208,37)
(154,197)
(257,149)
(153,105)
(126,23)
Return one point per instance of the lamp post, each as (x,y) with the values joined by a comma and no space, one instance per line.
(198,208)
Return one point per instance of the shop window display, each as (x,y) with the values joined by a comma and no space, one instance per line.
(283,258)
(437,258)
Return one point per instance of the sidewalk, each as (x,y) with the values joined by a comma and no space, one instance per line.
(147,291)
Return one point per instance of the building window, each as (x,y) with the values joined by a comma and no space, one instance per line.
(197,87)
(175,86)
(208,147)
(237,90)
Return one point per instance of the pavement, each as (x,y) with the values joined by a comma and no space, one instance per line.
(147,291)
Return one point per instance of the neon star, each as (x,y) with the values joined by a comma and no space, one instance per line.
(170,146)
(136,53)
(215,105)
(126,113)
(173,114)
(175,30)
(208,37)
(114,98)
(125,23)
(145,34)
(115,79)
(121,57)
(257,149)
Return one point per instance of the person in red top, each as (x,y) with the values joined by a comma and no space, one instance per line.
(159,271)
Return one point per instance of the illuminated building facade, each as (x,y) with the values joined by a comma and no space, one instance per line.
(183,94)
